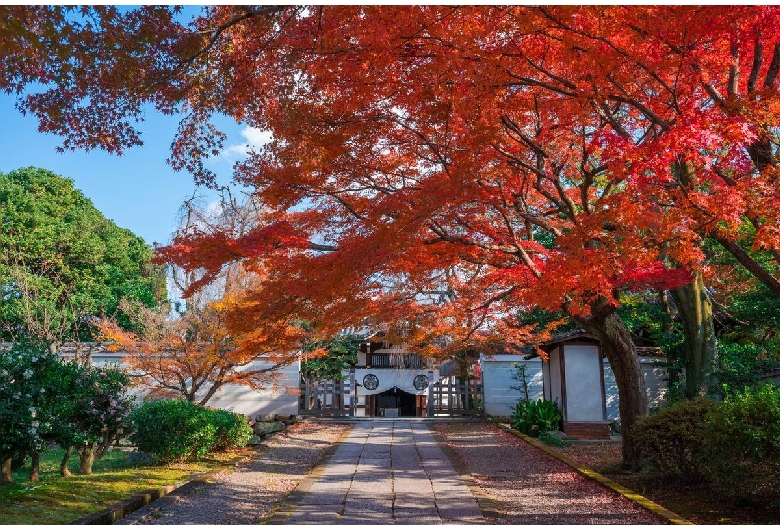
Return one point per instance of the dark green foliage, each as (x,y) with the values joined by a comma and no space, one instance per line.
(99,410)
(553,441)
(673,439)
(536,417)
(62,261)
(646,318)
(734,446)
(743,443)
(341,356)
(232,430)
(742,364)
(45,400)
(178,431)
(27,415)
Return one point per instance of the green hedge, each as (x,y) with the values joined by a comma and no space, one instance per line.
(734,446)
(232,430)
(743,443)
(674,439)
(176,430)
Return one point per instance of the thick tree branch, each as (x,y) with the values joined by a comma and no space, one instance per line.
(758,59)
(746,260)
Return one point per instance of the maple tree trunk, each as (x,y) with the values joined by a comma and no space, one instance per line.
(673,371)
(5,472)
(64,471)
(616,343)
(86,459)
(35,466)
(663,298)
(701,348)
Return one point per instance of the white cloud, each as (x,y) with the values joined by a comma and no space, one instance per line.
(253,139)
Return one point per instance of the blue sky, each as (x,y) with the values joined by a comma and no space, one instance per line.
(137,190)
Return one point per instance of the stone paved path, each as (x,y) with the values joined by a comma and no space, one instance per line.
(385,472)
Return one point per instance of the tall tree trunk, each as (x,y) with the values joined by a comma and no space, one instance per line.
(5,472)
(673,370)
(86,459)
(35,466)
(64,471)
(616,343)
(701,348)
(663,298)
(695,308)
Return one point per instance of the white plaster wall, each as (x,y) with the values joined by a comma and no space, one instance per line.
(610,387)
(361,358)
(582,372)
(280,398)
(499,396)
(655,383)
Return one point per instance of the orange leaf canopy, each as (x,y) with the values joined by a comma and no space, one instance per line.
(452,166)
(492,158)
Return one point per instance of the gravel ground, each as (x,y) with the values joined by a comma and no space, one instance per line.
(248,494)
(526,485)
(531,487)
(604,458)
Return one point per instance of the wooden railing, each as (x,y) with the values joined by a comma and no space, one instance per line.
(384,360)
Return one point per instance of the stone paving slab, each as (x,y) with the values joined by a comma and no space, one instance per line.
(387,473)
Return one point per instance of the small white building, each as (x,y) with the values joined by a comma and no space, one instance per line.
(576,375)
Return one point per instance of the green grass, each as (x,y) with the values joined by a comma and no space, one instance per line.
(57,500)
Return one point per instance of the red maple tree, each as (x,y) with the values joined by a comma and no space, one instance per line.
(451,166)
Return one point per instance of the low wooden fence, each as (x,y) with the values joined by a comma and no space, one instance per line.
(453,397)
(326,398)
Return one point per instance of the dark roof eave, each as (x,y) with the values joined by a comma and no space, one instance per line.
(577,334)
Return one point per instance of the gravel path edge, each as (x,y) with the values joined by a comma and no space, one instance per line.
(485,502)
(631,495)
(283,509)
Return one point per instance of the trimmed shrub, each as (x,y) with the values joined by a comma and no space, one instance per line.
(232,430)
(743,443)
(673,440)
(173,430)
(733,446)
(536,417)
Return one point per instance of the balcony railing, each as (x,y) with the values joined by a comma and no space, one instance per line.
(384,360)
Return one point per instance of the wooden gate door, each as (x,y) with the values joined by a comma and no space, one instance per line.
(326,398)
(456,398)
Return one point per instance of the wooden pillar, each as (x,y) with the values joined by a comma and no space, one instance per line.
(306,396)
(430,394)
(352,393)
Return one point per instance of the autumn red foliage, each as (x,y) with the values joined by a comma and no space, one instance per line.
(452,166)
(194,356)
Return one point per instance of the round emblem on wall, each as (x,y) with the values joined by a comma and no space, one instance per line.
(370,382)
(420,382)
